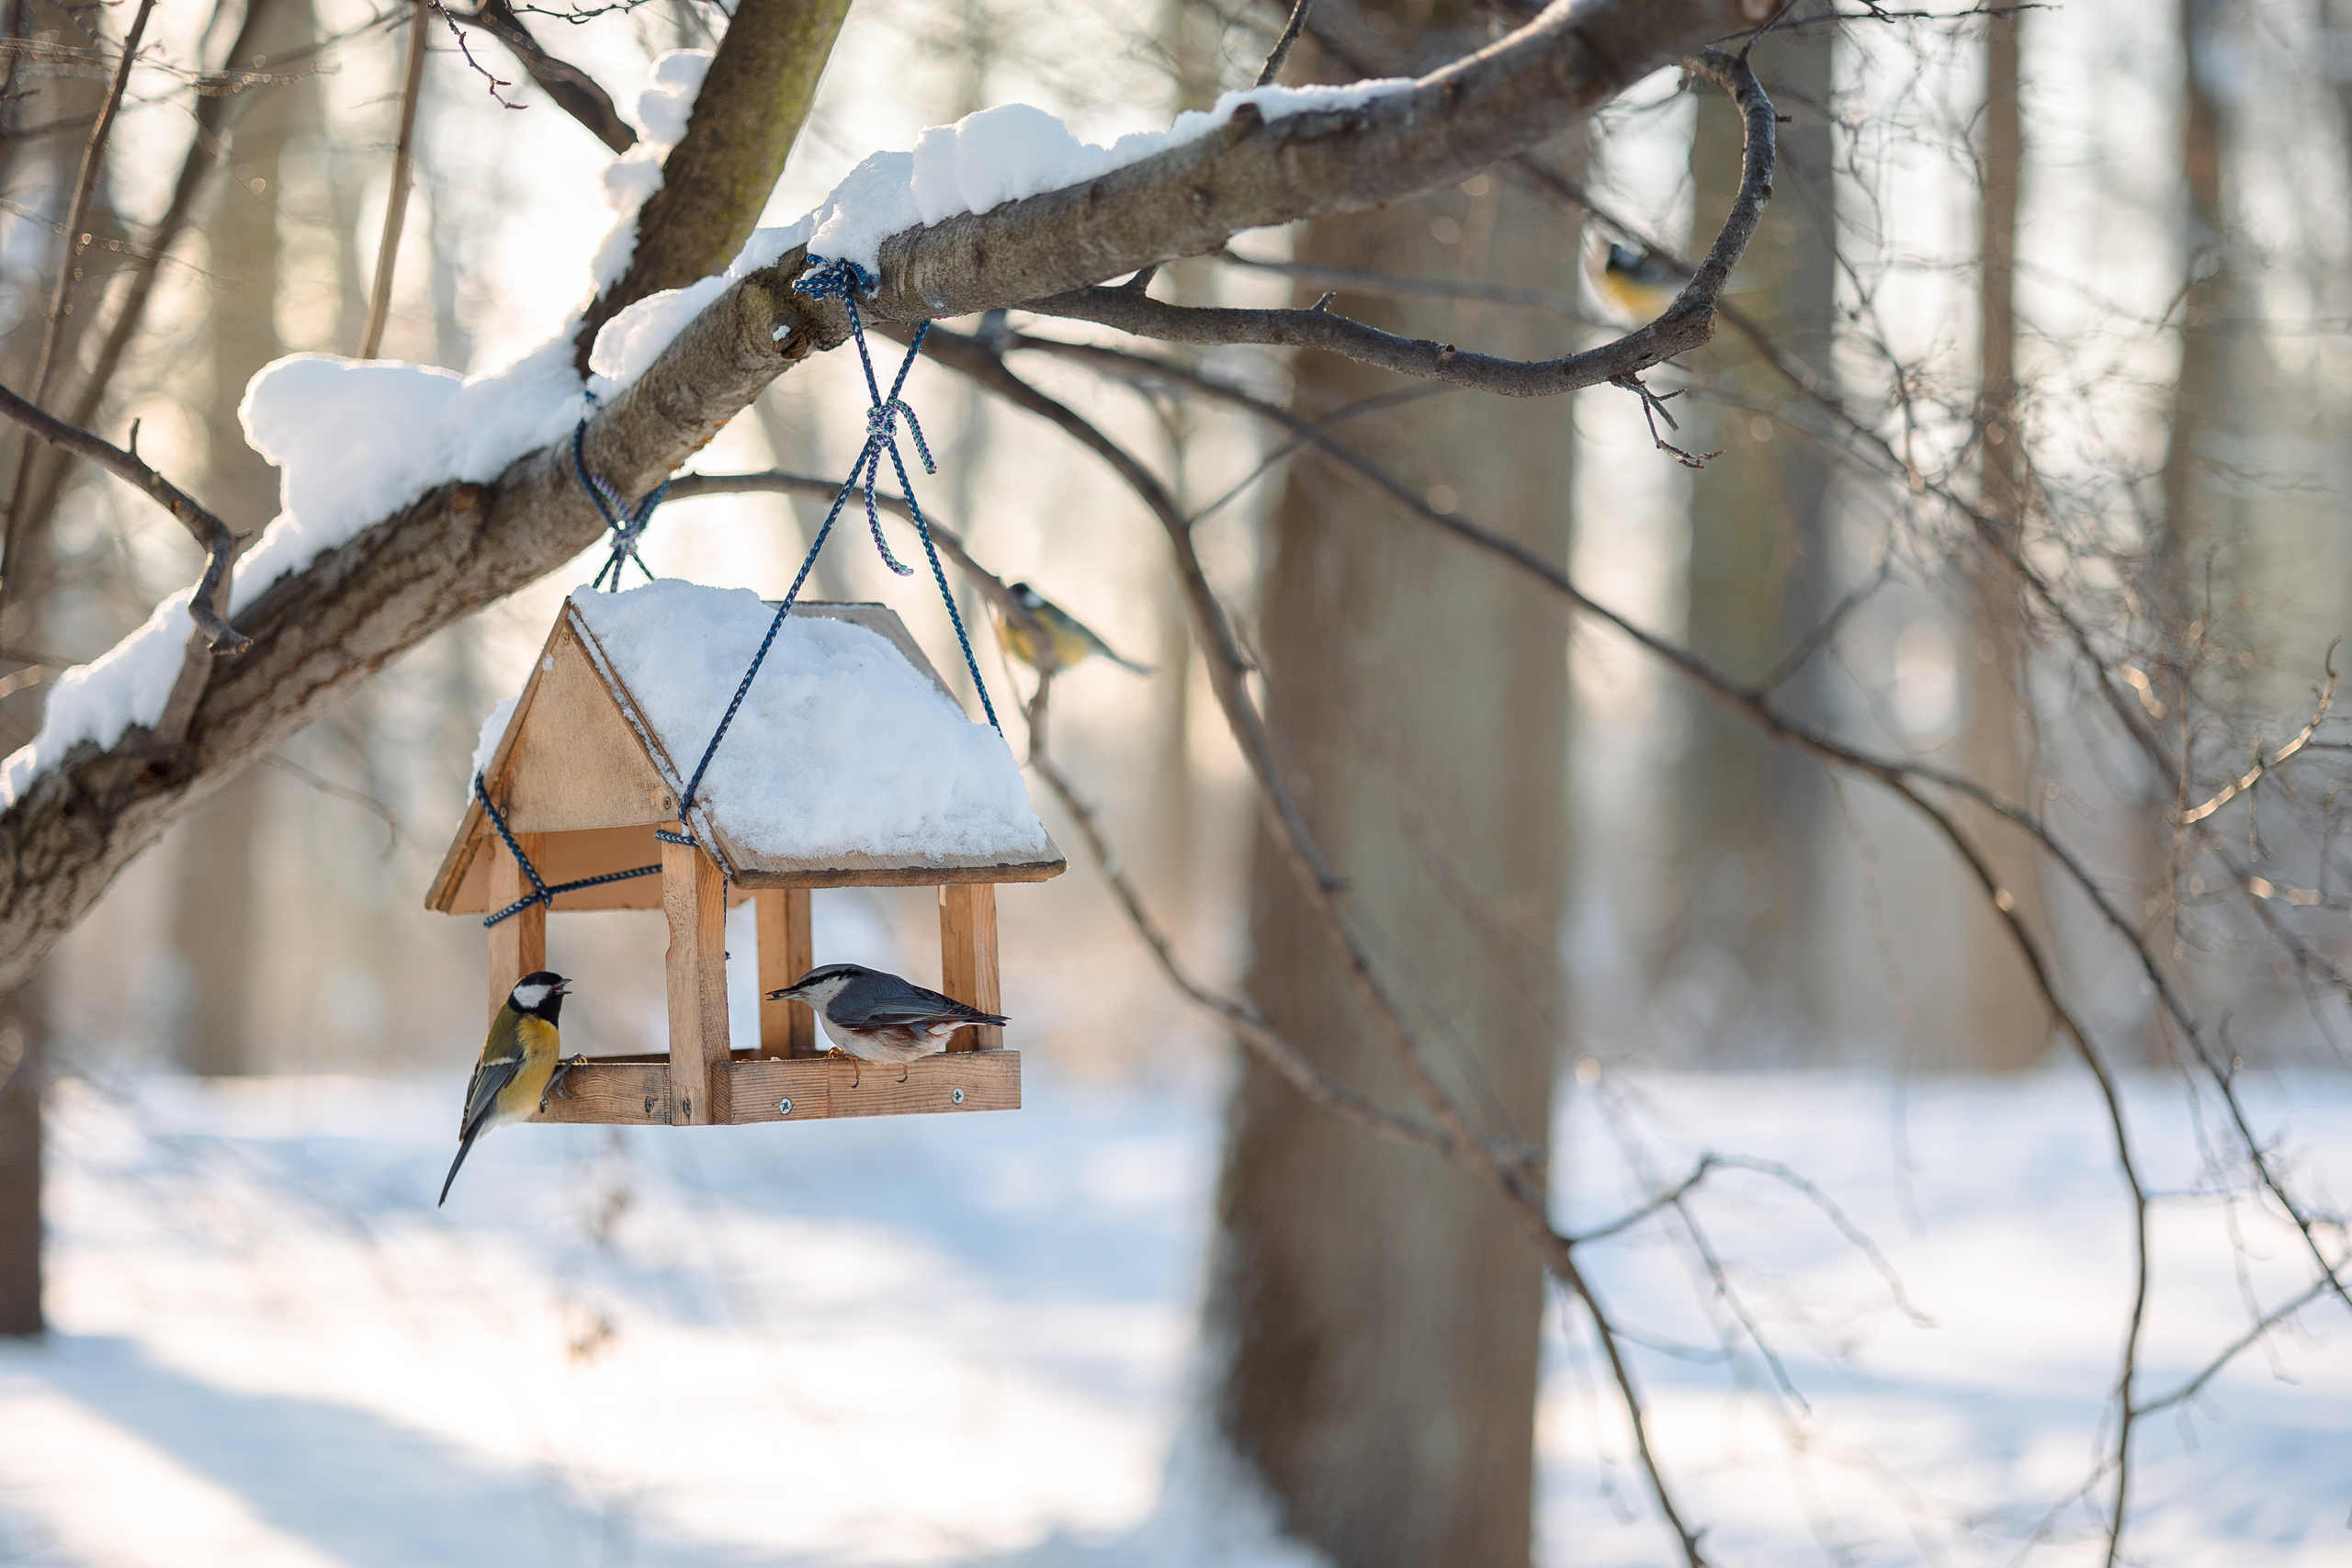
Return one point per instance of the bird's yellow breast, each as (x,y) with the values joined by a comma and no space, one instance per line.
(541,1048)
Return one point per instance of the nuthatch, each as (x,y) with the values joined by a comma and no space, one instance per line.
(877,1017)
(1072,641)
(1640,285)
(520,1062)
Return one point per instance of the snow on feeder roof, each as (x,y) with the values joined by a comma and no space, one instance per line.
(849,764)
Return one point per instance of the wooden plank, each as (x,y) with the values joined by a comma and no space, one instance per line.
(968,960)
(693,898)
(873,871)
(576,760)
(569,857)
(786,949)
(612,1093)
(826,1088)
(518,944)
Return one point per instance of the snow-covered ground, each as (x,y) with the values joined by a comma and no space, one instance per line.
(937,1339)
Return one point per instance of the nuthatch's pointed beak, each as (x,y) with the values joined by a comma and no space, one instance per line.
(790,993)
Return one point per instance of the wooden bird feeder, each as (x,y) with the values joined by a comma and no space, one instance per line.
(584,778)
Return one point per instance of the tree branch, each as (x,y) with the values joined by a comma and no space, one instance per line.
(60,307)
(1254,173)
(1280,52)
(748,114)
(387,248)
(567,86)
(219,544)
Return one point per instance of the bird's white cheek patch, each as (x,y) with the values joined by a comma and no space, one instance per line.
(527,996)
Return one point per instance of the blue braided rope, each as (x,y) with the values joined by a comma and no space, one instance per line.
(540,892)
(842,280)
(626,525)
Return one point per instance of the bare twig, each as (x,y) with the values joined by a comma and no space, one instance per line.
(567,86)
(1280,52)
(212,116)
(379,302)
(219,545)
(12,562)
(1363,281)
(360,799)
(2252,775)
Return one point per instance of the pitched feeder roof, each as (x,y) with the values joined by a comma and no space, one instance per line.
(849,761)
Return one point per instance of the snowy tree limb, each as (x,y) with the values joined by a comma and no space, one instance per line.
(320,632)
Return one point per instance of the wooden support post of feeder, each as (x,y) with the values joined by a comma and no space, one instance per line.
(787,950)
(518,944)
(693,898)
(967,959)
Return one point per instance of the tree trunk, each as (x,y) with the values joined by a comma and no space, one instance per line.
(1380,1311)
(1741,947)
(2187,570)
(2008,1024)
(24,1030)
(216,911)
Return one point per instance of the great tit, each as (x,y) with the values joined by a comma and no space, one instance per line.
(877,1017)
(519,1062)
(1072,641)
(1638,284)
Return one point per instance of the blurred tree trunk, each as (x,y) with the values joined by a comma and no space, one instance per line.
(1740,950)
(42,171)
(24,1030)
(2189,568)
(2009,1026)
(1381,1312)
(216,911)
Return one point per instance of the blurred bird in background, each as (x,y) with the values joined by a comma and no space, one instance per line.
(878,1017)
(1072,643)
(520,1063)
(1638,284)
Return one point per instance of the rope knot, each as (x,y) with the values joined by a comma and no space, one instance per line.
(626,527)
(882,417)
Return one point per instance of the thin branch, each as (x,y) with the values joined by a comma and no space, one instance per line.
(567,86)
(19,538)
(213,114)
(2252,776)
(85,186)
(379,303)
(1363,281)
(361,798)
(1280,52)
(219,545)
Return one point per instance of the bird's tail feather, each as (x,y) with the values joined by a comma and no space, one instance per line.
(465,1147)
(1129,663)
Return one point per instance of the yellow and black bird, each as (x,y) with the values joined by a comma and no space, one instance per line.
(520,1063)
(1072,643)
(1639,284)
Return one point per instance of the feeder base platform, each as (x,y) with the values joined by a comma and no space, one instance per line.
(636,1090)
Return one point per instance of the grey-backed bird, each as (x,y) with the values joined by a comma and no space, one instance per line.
(1072,643)
(878,1017)
(519,1064)
(1640,283)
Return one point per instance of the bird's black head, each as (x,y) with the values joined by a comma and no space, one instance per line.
(817,977)
(539,994)
(1026,597)
(1622,258)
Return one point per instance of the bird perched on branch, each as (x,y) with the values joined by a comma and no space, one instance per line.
(521,1061)
(1072,643)
(877,1017)
(1638,283)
